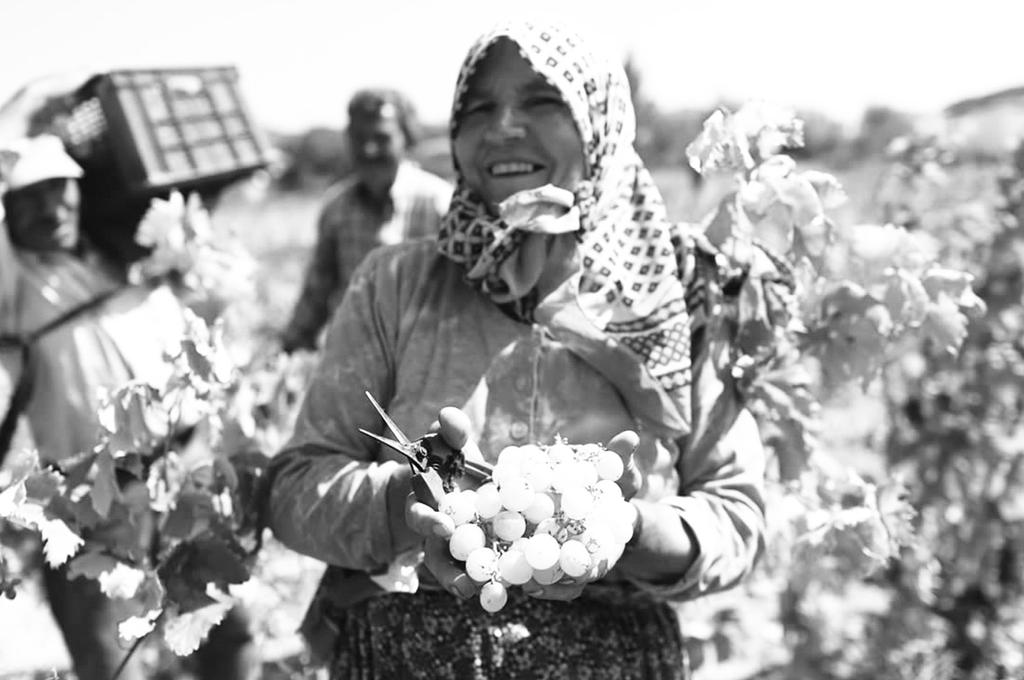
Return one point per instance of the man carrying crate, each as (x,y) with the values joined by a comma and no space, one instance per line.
(80,331)
(387,200)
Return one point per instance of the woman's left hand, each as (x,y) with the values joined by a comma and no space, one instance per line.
(625,445)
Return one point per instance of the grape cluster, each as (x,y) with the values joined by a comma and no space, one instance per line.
(548,515)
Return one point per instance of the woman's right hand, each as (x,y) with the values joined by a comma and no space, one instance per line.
(433,527)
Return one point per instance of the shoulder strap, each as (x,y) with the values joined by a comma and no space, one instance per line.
(23,389)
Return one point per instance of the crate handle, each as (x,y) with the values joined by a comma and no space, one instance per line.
(185,84)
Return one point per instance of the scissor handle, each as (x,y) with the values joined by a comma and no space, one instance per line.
(428,487)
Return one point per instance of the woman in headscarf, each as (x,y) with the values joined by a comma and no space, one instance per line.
(558,300)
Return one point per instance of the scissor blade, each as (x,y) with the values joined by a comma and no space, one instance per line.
(394,446)
(399,435)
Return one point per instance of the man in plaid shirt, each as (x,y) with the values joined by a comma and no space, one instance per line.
(388,199)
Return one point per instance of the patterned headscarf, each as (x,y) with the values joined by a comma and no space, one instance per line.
(634,261)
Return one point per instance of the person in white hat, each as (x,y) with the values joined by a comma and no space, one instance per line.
(79,331)
(41,196)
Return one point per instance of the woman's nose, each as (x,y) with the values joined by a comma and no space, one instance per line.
(507,124)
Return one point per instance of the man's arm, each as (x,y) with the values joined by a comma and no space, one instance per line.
(319,287)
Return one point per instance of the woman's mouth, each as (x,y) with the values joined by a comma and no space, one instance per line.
(513,168)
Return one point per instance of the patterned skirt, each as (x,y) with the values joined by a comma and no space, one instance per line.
(434,635)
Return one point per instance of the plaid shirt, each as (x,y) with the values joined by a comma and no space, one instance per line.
(349,227)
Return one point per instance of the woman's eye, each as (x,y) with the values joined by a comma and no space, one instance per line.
(472,107)
(544,100)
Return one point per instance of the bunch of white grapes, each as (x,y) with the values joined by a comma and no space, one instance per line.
(549,514)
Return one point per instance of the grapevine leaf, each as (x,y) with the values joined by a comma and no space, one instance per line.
(874,250)
(905,297)
(203,476)
(190,516)
(798,195)
(77,468)
(12,500)
(828,188)
(134,419)
(788,411)
(185,632)
(80,512)
(90,565)
(149,596)
(775,228)
(956,285)
(20,463)
(728,223)
(43,485)
(814,238)
(853,334)
(135,627)
(719,147)
(193,565)
(135,496)
(104,489)
(121,582)
(59,542)
(896,512)
(197,361)
(945,325)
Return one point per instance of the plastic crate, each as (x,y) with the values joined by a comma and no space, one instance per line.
(166,128)
(140,133)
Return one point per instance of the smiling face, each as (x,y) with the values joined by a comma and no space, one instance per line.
(378,147)
(514,131)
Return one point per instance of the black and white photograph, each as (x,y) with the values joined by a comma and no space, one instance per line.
(584,340)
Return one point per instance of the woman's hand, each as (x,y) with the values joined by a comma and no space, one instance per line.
(625,444)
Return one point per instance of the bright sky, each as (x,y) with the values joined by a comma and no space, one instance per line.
(301,59)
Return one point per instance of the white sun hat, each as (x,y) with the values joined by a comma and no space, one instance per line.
(29,160)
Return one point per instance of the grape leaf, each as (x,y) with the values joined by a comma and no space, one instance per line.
(59,542)
(896,513)
(121,582)
(134,419)
(905,297)
(956,285)
(11,500)
(135,627)
(90,565)
(787,411)
(945,325)
(43,485)
(185,632)
(828,188)
(19,464)
(194,564)
(104,487)
(719,148)
(852,335)
(191,515)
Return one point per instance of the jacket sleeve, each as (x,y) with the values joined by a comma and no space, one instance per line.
(328,489)
(721,493)
(722,461)
(319,288)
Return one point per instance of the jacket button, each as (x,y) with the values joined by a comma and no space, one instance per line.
(519,430)
(522,383)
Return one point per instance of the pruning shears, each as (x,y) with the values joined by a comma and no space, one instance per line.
(436,465)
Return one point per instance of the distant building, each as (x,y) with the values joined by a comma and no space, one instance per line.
(988,125)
